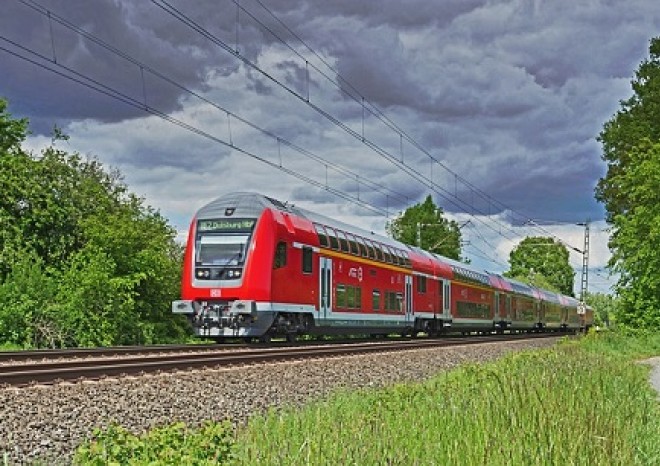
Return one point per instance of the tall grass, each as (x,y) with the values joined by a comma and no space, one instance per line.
(558,407)
(628,343)
(581,403)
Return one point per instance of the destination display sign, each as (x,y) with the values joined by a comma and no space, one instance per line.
(225,224)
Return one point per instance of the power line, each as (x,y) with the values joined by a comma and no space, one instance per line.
(143,67)
(93,84)
(373,109)
(444,193)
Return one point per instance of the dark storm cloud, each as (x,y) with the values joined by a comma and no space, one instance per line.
(508,94)
(408,14)
(141,30)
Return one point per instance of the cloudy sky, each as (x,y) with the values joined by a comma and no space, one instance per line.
(353,109)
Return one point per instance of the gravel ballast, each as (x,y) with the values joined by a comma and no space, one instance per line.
(46,424)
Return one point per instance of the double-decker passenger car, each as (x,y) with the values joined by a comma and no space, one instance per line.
(256,267)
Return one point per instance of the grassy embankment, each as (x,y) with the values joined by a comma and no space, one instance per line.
(583,402)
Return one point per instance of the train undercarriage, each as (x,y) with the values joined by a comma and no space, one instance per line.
(240,319)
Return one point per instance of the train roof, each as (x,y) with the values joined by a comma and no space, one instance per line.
(239,205)
(550,296)
(521,288)
(499,282)
(465,271)
(248,204)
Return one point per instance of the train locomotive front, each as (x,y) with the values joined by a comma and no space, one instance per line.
(226,269)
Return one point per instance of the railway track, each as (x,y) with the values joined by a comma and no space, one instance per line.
(94,364)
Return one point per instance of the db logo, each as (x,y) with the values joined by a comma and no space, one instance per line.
(215,293)
(355,272)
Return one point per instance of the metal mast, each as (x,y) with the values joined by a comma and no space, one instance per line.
(585,263)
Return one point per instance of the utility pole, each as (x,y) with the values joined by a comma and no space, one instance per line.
(585,263)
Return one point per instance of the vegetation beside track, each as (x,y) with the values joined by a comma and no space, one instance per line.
(582,402)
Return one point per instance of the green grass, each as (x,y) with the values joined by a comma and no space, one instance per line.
(582,403)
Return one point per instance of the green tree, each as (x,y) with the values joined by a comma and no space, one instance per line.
(82,260)
(423,225)
(12,131)
(543,262)
(606,307)
(630,191)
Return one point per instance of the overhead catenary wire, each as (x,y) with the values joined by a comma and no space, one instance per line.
(415,174)
(144,67)
(190,23)
(372,108)
(98,86)
(453,199)
(93,84)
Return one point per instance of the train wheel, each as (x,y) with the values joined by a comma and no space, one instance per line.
(291,337)
(264,339)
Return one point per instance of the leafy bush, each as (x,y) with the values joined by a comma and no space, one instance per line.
(82,260)
(212,443)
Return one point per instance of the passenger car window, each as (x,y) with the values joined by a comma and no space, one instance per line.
(280,255)
(307,259)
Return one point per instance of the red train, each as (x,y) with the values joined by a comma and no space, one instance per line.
(256,267)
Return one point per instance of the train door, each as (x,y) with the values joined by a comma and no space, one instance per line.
(496,314)
(438,305)
(325,287)
(509,314)
(446,307)
(408,298)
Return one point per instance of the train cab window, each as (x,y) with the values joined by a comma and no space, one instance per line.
(332,237)
(343,242)
(280,255)
(323,237)
(375,300)
(307,259)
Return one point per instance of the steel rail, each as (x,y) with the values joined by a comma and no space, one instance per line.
(97,351)
(50,372)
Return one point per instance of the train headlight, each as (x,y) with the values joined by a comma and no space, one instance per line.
(203,273)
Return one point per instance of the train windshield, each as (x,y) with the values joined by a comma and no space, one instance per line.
(221,250)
